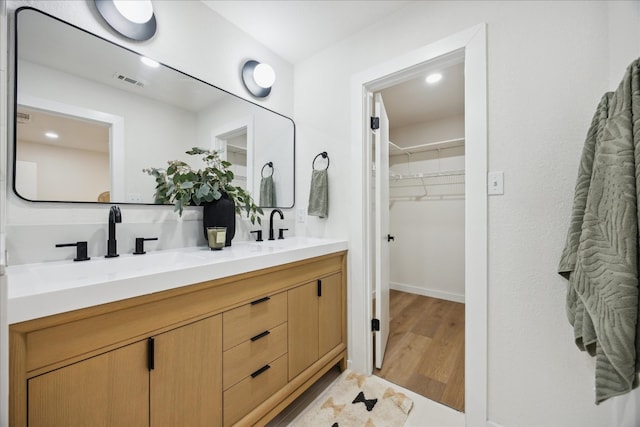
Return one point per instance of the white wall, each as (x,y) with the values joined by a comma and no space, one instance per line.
(59,166)
(192,38)
(427,255)
(548,65)
(428,132)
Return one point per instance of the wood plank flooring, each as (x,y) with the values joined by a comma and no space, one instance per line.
(425,351)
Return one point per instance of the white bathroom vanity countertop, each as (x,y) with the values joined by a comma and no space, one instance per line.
(42,289)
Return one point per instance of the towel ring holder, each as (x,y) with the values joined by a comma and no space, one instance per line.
(324,156)
(270,164)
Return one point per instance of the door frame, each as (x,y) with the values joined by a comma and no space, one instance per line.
(472,44)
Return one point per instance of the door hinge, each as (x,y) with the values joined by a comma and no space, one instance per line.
(375,123)
(375,325)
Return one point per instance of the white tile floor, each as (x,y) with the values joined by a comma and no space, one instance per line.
(427,413)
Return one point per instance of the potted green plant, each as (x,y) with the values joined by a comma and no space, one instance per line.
(182,185)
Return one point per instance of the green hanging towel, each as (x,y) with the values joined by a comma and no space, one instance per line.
(267,192)
(600,257)
(319,194)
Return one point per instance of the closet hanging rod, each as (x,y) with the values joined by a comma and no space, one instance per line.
(418,175)
(429,146)
(428,198)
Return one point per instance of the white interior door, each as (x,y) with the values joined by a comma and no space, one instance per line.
(382,236)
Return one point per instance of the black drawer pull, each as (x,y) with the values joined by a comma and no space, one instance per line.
(257,337)
(259,371)
(258,301)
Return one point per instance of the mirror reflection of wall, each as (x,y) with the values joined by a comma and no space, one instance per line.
(54,151)
(161,114)
(236,154)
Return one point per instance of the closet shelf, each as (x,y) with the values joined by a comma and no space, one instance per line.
(430,146)
(427,186)
(419,175)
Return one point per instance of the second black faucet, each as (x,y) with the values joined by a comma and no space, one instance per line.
(112,244)
(271,222)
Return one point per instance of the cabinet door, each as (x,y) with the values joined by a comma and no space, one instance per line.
(330,314)
(186,382)
(111,389)
(303,327)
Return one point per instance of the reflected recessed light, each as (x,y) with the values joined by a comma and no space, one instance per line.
(51,135)
(149,62)
(434,78)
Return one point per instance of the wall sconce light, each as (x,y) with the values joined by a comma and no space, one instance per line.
(133,19)
(258,78)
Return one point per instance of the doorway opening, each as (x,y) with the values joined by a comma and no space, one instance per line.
(470,45)
(235,142)
(425,203)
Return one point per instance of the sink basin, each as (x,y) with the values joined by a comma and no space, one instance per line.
(41,289)
(112,267)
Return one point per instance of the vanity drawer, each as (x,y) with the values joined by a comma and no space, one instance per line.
(244,322)
(243,397)
(240,361)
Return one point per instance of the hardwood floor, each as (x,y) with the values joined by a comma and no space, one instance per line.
(425,351)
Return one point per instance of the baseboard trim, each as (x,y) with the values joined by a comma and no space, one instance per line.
(492,424)
(427,293)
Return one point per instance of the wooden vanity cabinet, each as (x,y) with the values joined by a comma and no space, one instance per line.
(169,379)
(315,321)
(109,389)
(186,380)
(231,351)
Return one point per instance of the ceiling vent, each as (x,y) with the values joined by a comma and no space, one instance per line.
(124,78)
(22,117)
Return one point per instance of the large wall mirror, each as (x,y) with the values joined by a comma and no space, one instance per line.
(90,116)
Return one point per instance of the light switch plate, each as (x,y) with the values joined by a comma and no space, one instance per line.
(301,215)
(496,183)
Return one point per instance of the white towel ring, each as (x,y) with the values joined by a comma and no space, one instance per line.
(324,156)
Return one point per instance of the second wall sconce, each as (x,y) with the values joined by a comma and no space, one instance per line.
(133,19)
(258,78)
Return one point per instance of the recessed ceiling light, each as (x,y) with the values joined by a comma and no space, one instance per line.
(433,78)
(149,62)
(51,135)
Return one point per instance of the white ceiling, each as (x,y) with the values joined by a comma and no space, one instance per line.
(296,30)
(416,101)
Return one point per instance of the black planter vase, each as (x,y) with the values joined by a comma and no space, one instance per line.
(220,213)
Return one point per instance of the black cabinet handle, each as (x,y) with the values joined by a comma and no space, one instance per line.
(258,301)
(319,287)
(262,335)
(260,371)
(151,362)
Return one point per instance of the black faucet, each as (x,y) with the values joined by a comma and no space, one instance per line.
(112,245)
(271,222)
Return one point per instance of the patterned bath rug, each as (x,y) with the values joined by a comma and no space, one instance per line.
(356,400)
